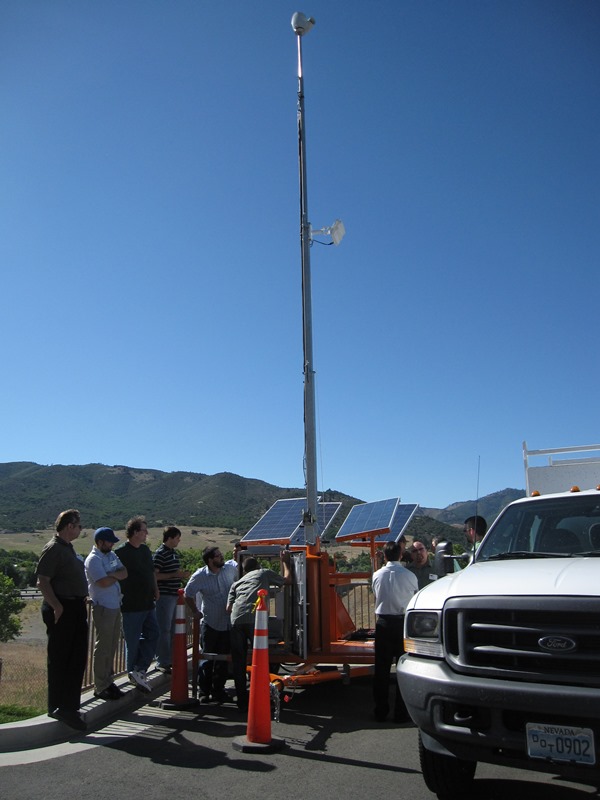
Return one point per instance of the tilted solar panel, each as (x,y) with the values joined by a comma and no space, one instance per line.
(404,514)
(369,518)
(283,522)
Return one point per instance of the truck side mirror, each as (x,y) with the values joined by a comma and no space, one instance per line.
(443,562)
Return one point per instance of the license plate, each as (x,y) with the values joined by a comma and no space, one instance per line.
(561,743)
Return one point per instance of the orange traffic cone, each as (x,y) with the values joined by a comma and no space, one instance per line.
(179,675)
(258,733)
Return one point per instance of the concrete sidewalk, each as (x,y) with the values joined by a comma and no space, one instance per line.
(43,731)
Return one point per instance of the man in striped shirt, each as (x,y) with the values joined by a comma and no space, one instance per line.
(169,576)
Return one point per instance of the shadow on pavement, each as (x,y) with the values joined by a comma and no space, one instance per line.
(196,739)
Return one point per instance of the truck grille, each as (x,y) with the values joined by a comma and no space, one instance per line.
(502,635)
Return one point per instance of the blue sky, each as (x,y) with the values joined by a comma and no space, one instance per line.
(149,238)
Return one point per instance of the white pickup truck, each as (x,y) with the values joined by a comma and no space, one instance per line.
(502,659)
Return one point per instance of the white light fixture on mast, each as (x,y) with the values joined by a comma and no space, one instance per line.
(336,231)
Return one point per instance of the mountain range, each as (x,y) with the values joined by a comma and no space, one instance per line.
(31,495)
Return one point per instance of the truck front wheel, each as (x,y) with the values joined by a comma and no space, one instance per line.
(447,777)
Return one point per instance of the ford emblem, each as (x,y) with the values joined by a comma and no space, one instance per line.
(557,644)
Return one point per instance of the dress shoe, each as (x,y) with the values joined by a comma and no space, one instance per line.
(71,718)
(111,692)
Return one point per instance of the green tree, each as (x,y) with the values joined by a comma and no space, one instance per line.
(359,563)
(10,605)
(190,559)
(20,566)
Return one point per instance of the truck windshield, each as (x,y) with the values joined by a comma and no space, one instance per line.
(560,527)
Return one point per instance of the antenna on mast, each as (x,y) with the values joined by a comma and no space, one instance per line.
(477,502)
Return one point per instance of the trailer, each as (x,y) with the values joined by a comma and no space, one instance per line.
(321,626)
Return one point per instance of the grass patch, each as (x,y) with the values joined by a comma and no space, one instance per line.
(18,713)
(23,681)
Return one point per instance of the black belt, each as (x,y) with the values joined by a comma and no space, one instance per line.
(65,599)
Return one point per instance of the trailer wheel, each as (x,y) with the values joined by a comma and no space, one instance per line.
(447,777)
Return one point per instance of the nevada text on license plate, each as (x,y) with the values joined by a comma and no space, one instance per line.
(561,743)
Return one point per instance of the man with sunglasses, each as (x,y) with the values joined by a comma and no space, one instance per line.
(420,566)
(61,580)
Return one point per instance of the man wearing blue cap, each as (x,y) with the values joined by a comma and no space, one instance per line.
(104,570)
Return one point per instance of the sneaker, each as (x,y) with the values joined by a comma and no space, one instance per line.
(204,699)
(138,678)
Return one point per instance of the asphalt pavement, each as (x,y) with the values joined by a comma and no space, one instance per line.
(332,747)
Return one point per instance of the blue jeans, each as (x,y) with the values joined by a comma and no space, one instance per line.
(165,615)
(140,631)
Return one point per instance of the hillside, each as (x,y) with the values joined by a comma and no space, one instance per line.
(32,495)
(489,507)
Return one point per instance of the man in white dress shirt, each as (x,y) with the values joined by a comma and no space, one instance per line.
(393,586)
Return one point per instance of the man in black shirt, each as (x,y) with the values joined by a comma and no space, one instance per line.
(140,592)
(61,580)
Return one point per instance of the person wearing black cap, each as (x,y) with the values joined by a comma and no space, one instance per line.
(104,570)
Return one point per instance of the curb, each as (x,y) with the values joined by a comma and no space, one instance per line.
(43,731)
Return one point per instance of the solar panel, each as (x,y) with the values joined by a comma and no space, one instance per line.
(402,516)
(368,519)
(282,523)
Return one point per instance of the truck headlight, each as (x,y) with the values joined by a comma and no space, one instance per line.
(422,636)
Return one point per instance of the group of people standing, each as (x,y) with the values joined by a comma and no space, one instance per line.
(135,592)
(130,590)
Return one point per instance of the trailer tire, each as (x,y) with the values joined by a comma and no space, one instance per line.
(447,777)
